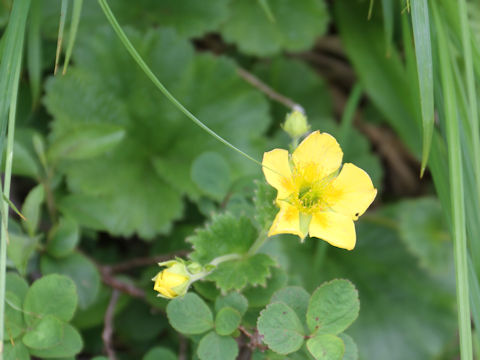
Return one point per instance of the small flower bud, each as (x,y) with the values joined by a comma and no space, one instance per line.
(173,281)
(296,124)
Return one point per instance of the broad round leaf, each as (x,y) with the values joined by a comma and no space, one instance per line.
(51,295)
(351,349)
(216,347)
(70,345)
(234,300)
(189,314)
(295,297)
(14,324)
(281,328)
(227,321)
(47,333)
(15,352)
(160,353)
(81,270)
(326,347)
(333,307)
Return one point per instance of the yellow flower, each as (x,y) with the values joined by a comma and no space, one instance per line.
(172,281)
(315,196)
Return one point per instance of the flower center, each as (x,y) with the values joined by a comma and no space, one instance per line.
(312,188)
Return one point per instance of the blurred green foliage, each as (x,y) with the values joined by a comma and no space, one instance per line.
(112,177)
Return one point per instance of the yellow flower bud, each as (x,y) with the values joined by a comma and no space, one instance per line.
(172,281)
(296,124)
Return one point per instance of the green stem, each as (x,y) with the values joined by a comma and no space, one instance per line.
(261,239)
(138,59)
(224,258)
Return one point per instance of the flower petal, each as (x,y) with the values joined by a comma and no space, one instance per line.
(352,192)
(321,149)
(277,171)
(287,221)
(334,228)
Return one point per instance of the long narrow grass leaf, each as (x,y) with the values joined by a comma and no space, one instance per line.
(471,91)
(76,14)
(348,114)
(61,27)
(457,191)
(9,76)
(34,51)
(388,7)
(141,63)
(423,52)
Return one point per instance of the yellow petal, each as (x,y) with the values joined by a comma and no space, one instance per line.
(170,280)
(352,192)
(334,228)
(287,221)
(321,150)
(277,171)
(169,294)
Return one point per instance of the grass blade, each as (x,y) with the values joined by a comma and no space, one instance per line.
(34,51)
(423,52)
(61,27)
(76,14)
(456,190)
(9,76)
(141,63)
(388,8)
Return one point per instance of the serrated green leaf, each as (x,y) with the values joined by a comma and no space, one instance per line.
(63,237)
(156,150)
(216,347)
(351,350)
(81,270)
(225,234)
(236,274)
(210,172)
(265,207)
(85,141)
(333,307)
(234,300)
(15,352)
(189,17)
(158,353)
(31,209)
(14,324)
(259,296)
(47,333)
(70,345)
(50,295)
(281,328)
(295,297)
(423,229)
(189,315)
(296,25)
(326,347)
(20,250)
(227,321)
